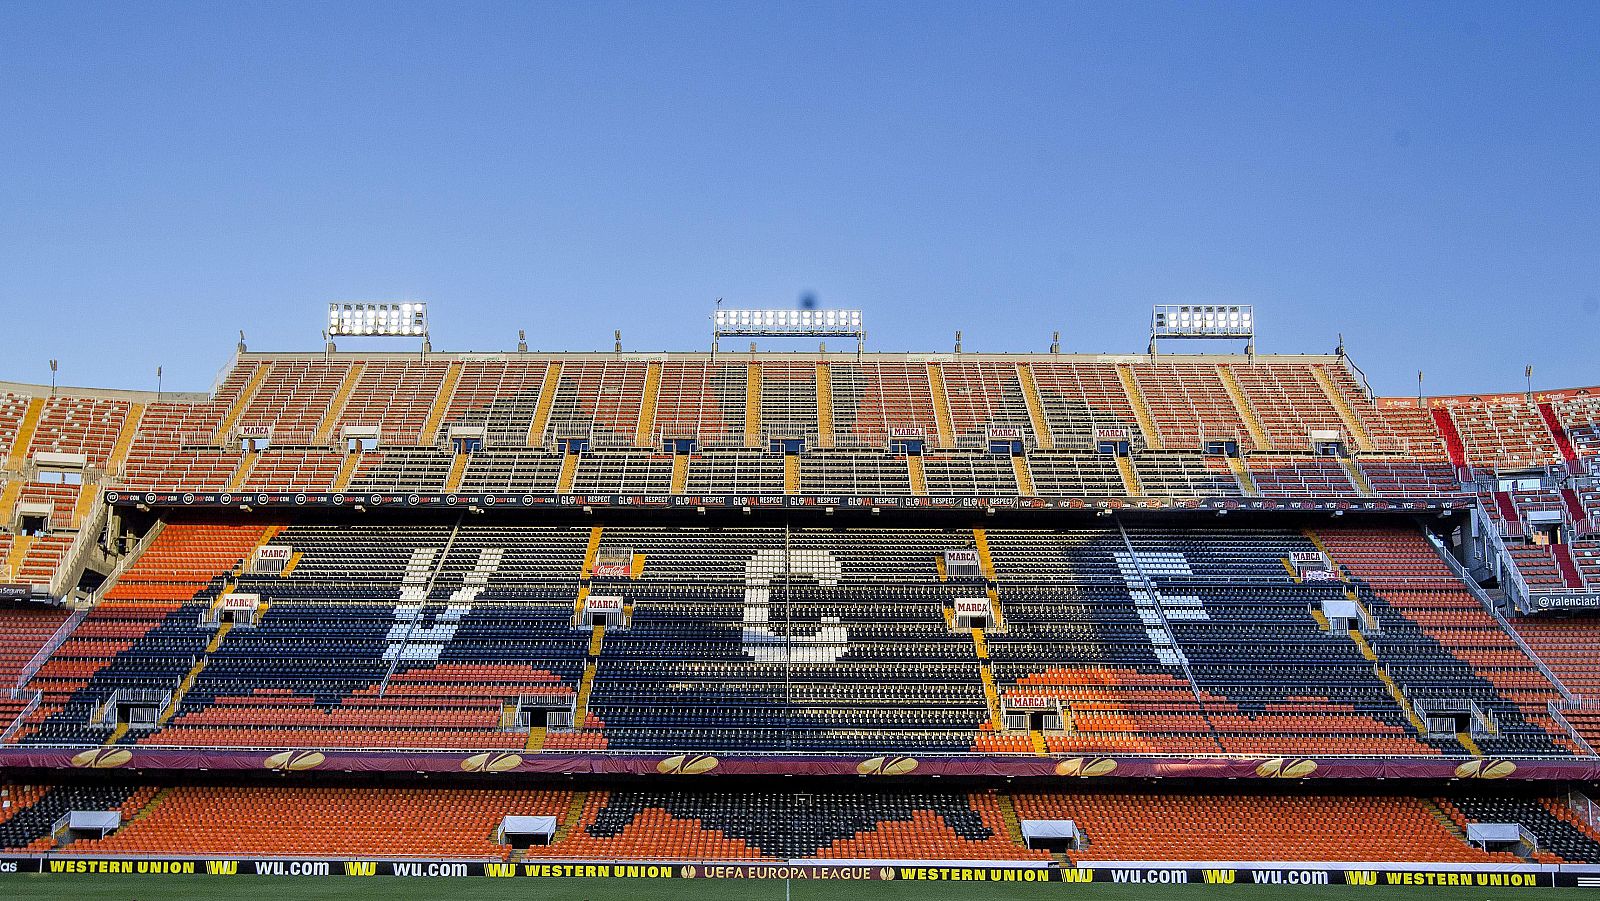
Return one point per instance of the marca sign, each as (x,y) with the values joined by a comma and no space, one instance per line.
(1112,434)
(907,432)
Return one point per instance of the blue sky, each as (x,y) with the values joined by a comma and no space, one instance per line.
(1423,178)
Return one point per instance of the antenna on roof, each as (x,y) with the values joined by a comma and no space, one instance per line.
(522,341)
(52,376)
(242,348)
(1055,342)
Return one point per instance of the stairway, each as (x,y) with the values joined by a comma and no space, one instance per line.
(447,392)
(919,478)
(1141,408)
(17,554)
(1247,413)
(1347,414)
(1358,479)
(1242,476)
(791,473)
(680,473)
(1008,816)
(824,406)
(130,428)
(569,471)
(1019,468)
(458,469)
(1507,508)
(1030,394)
(242,474)
(341,399)
(647,406)
(1036,739)
(347,471)
(536,737)
(752,405)
(547,396)
(1574,505)
(241,403)
(24,436)
(1130,477)
(1553,423)
(572,817)
(1452,438)
(941,406)
(1571,576)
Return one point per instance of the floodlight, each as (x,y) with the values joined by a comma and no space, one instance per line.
(385,319)
(788,323)
(1203,321)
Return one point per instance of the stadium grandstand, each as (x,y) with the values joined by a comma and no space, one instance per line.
(1144,617)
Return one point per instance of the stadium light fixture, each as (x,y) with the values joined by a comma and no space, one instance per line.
(408,319)
(787,324)
(1203,321)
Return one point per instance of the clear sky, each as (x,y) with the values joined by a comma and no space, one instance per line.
(1423,178)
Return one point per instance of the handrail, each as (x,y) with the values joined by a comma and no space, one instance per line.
(22,715)
(1558,716)
(433,577)
(1487,602)
(82,543)
(1149,587)
(62,633)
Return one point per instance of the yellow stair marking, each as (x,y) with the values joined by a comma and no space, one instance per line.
(441,403)
(117,733)
(294,560)
(1036,738)
(1241,403)
(547,397)
(596,640)
(536,736)
(152,804)
(680,473)
(1246,484)
(949,618)
(8,500)
(1030,394)
(86,495)
(1469,744)
(1358,479)
(791,473)
(187,683)
(1019,469)
(347,471)
(1130,478)
(635,570)
(24,438)
(980,642)
(919,479)
(592,551)
(752,405)
(1388,683)
(647,405)
(1141,409)
(1347,413)
(991,694)
(458,468)
(574,815)
(941,406)
(1008,816)
(938,567)
(1322,620)
(341,399)
(1293,573)
(130,427)
(569,471)
(824,406)
(18,553)
(980,540)
(246,463)
(241,403)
